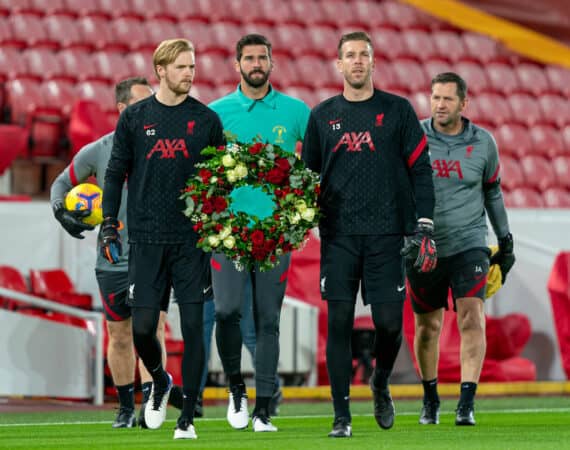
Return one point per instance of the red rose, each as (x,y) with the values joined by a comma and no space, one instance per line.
(269,245)
(205,174)
(198,226)
(273,258)
(221,148)
(220,204)
(283,164)
(235,229)
(281,239)
(259,254)
(317,189)
(195,198)
(257,237)
(218,227)
(276,176)
(207,207)
(298,192)
(220,169)
(255,148)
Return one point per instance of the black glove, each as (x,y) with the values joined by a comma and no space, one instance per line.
(421,247)
(110,244)
(505,257)
(71,220)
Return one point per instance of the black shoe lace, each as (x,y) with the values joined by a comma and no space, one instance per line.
(238,392)
(158,396)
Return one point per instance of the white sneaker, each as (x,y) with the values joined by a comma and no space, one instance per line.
(262,424)
(185,431)
(237,407)
(155,411)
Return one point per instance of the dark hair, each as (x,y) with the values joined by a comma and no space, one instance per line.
(252,39)
(452,77)
(123,88)
(354,36)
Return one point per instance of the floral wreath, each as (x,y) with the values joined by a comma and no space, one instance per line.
(244,238)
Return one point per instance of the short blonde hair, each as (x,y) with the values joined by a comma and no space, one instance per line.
(167,52)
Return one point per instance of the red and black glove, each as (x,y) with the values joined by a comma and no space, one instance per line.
(505,257)
(420,247)
(110,240)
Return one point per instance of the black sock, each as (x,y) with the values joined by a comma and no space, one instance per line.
(145,388)
(430,391)
(467,396)
(176,398)
(127,395)
(261,406)
(342,407)
(380,378)
(236,379)
(159,377)
(189,405)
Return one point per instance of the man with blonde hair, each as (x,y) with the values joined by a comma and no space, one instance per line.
(157,144)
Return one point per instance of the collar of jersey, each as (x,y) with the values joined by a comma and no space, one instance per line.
(466,135)
(249,103)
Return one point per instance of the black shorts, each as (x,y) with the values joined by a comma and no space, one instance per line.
(465,273)
(155,268)
(373,260)
(113,287)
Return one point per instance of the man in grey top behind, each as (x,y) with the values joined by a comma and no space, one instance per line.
(466,175)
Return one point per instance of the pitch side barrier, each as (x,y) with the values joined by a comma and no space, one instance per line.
(42,357)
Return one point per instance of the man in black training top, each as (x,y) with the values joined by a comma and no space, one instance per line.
(376,187)
(156,145)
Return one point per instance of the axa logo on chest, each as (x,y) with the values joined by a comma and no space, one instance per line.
(354,140)
(167,148)
(443,168)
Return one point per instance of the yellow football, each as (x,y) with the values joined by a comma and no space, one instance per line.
(86,196)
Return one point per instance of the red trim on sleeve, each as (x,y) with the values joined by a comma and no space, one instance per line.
(73,175)
(110,312)
(418,151)
(495,175)
(215,265)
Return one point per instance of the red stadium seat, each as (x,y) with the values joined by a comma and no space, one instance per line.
(12,65)
(154,10)
(566,137)
(304,93)
(513,139)
(216,70)
(118,8)
(76,65)
(561,167)
(493,108)
(511,173)
(65,30)
(140,63)
(23,98)
(559,79)
(268,12)
(502,78)
(320,38)
(421,103)
(287,74)
(405,17)
(420,46)
(82,8)
(474,75)
(525,109)
(326,93)
(11,278)
(449,44)
(291,37)
(99,92)
(60,95)
(533,78)
(388,44)
(194,10)
(317,72)
(340,14)
(131,32)
(204,92)
(434,67)
(524,198)
(14,141)
(42,63)
(28,30)
(480,48)
(98,32)
(538,172)
(556,198)
(554,109)
(201,34)
(410,76)
(306,12)
(8,7)
(223,38)
(365,15)
(57,286)
(157,30)
(111,67)
(546,140)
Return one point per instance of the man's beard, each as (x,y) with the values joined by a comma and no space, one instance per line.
(177,88)
(255,82)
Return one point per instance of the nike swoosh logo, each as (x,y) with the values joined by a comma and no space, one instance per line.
(401,288)
(205,291)
(146,127)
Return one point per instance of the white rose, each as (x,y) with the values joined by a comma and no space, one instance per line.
(229,242)
(295,218)
(226,231)
(231,176)
(241,171)
(301,206)
(213,180)
(214,241)
(308,214)
(204,217)
(228,161)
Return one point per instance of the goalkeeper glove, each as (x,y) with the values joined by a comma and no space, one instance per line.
(505,257)
(110,244)
(71,220)
(421,247)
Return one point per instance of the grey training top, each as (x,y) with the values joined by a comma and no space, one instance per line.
(92,160)
(466,175)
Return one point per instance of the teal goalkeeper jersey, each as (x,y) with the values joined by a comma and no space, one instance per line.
(276,118)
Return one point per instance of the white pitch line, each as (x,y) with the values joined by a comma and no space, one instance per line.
(219,419)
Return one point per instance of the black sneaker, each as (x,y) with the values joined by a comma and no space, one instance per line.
(125,418)
(341,428)
(384,410)
(430,414)
(142,422)
(274,403)
(465,414)
(199,407)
